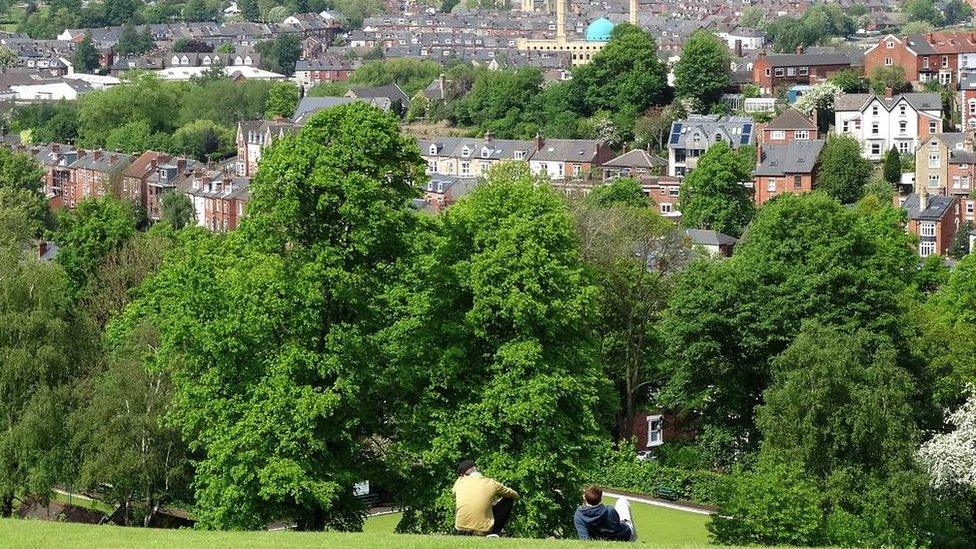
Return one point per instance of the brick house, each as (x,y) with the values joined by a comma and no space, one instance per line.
(967,100)
(929,56)
(933,219)
(465,157)
(150,165)
(774,72)
(789,167)
(882,122)
(328,69)
(692,137)
(219,198)
(637,163)
(253,136)
(945,164)
(570,163)
(789,126)
(653,429)
(94,175)
(442,191)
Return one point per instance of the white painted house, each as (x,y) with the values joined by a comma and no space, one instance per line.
(880,122)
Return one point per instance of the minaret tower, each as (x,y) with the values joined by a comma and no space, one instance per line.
(561,21)
(633,12)
(528,6)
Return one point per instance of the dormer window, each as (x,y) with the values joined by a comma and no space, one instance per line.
(465,151)
(175,60)
(185,60)
(206,60)
(247,60)
(433,149)
(440,186)
(485,152)
(519,155)
(238,60)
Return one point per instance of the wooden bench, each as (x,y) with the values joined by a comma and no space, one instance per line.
(666,492)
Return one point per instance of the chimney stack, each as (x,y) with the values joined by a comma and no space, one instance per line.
(539,141)
(97,154)
(967,142)
(799,49)
(488,137)
(888,92)
(923,198)
(738,47)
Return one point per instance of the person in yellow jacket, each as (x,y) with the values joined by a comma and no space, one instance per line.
(482,505)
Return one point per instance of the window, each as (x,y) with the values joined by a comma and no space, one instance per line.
(767,71)
(933,126)
(972,106)
(797,182)
(673,191)
(888,61)
(777,134)
(801,135)
(440,186)
(934,159)
(902,127)
(465,168)
(485,152)
(655,431)
(875,128)
(844,127)
(902,110)
(956,182)
(964,182)
(874,110)
(577,170)
(433,149)
(945,60)
(933,180)
(666,208)
(779,72)
(519,155)
(465,151)
(875,149)
(926,249)
(903,147)
(770,185)
(890,44)
(791,71)
(970,207)
(804,71)
(925,62)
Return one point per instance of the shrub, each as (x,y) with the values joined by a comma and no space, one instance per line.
(622,470)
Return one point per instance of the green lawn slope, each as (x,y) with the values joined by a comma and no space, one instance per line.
(657,527)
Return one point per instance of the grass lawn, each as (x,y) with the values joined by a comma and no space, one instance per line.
(655,525)
(17,534)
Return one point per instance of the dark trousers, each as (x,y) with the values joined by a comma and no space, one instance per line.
(501,511)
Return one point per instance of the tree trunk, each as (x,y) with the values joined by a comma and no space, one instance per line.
(7,504)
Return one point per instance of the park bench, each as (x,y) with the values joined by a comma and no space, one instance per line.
(666,492)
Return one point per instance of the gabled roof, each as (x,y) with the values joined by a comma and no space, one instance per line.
(567,150)
(738,130)
(791,119)
(938,206)
(637,158)
(795,157)
(707,237)
(925,101)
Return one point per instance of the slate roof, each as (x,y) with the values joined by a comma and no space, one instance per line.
(925,101)
(707,237)
(495,149)
(737,130)
(810,59)
(311,105)
(795,157)
(938,206)
(637,158)
(791,119)
(563,150)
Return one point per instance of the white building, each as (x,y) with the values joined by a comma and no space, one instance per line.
(233,71)
(691,137)
(745,38)
(882,122)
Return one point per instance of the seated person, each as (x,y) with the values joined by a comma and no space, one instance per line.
(593,520)
(482,505)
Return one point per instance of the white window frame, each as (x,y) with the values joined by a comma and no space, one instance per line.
(777,134)
(926,249)
(655,431)
(801,135)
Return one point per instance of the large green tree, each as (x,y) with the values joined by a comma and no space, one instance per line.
(86,56)
(88,233)
(702,73)
(803,258)
(282,100)
(511,377)
(713,194)
(842,171)
(270,333)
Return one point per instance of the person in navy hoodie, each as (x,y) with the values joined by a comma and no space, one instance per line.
(594,520)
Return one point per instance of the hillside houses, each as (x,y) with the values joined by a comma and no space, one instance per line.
(691,137)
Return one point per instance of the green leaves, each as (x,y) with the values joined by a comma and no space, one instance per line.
(713,196)
(702,73)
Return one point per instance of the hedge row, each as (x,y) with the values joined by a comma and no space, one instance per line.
(645,477)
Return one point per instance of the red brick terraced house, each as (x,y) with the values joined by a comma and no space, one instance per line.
(934,220)
(930,56)
(777,71)
(94,175)
(786,168)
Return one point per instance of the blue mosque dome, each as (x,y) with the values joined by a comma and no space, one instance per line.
(599,30)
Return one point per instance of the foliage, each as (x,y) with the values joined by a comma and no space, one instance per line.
(274,412)
(959,247)
(816,24)
(713,196)
(510,376)
(144,97)
(702,73)
(882,78)
(916,27)
(282,100)
(132,42)
(773,505)
(203,140)
(950,458)
(652,129)
(843,171)
(177,210)
(849,81)
(88,233)
(892,166)
(50,122)
(623,471)
(136,137)
(625,76)
(85,59)
(44,347)
(412,75)
(23,209)
(619,192)
(192,45)
(497,101)
(804,258)
(279,55)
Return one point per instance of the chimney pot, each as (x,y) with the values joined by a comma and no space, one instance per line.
(799,48)
(889,93)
